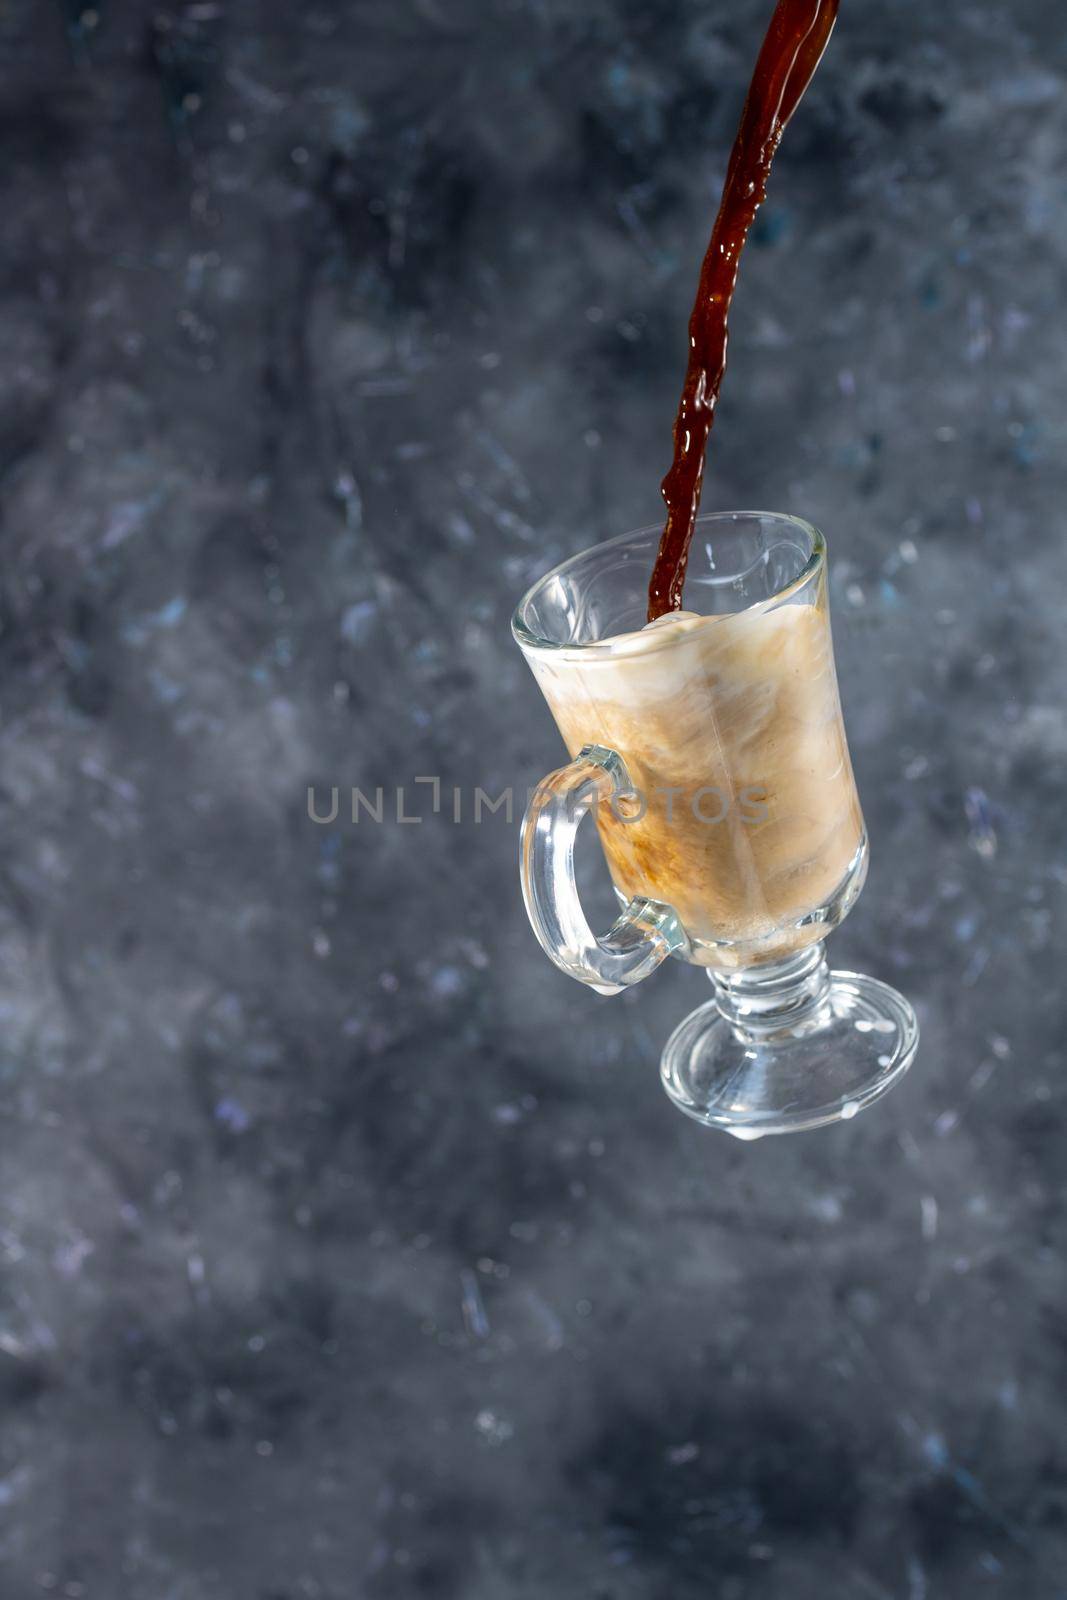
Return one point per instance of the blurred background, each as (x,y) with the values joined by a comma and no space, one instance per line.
(347,1250)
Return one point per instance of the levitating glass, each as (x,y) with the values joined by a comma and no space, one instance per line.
(712,752)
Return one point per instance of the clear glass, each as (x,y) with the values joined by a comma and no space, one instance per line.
(712,751)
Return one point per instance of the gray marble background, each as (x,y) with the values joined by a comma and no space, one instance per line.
(347,1250)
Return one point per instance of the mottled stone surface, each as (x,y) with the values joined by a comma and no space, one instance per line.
(348,1250)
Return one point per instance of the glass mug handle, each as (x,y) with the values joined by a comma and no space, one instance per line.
(647,931)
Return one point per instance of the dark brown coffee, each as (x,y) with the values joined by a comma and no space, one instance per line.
(791,51)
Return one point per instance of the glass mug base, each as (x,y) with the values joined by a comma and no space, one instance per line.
(789,1047)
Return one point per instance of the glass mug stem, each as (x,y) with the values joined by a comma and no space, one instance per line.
(647,931)
(776,1000)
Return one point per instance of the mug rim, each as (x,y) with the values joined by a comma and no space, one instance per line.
(527,640)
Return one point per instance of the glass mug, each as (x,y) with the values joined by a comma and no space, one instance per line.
(711,749)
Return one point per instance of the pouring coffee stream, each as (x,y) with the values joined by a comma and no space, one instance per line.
(790,53)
